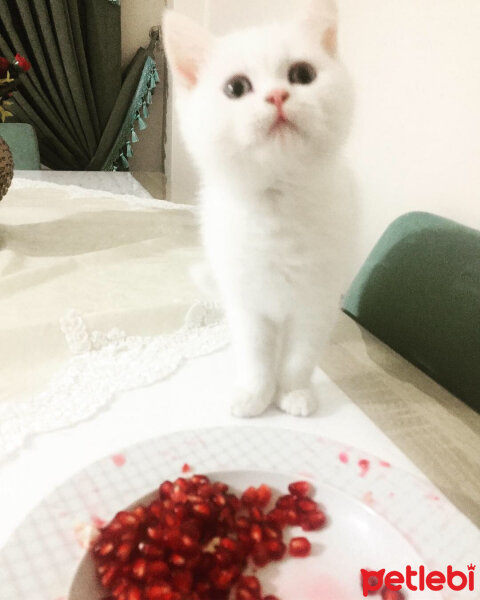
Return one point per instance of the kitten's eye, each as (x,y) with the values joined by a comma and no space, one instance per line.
(238,86)
(302,73)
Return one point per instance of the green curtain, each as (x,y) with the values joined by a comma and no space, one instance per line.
(84,110)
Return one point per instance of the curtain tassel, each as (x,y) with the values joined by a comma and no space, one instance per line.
(153,83)
(135,138)
(145,110)
(156,76)
(129,152)
(149,97)
(124,160)
(141,123)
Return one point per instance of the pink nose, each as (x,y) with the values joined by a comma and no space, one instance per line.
(278,97)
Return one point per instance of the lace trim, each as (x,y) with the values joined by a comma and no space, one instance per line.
(104,364)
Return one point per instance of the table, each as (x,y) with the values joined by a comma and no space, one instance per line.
(80,251)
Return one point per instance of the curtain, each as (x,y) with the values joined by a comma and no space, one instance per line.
(86,113)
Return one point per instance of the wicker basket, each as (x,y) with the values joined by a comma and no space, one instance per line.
(6,167)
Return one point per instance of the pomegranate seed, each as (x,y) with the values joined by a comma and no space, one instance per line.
(229,544)
(191,529)
(159,592)
(250,496)
(104,549)
(242,523)
(307,505)
(120,588)
(314,521)
(276,549)
(177,560)
(219,487)
(166,489)
(250,583)
(233,502)
(171,520)
(300,489)
(256,533)
(182,484)
(271,533)
(157,569)
(178,495)
(155,533)
(124,551)
(244,594)
(139,568)
(204,492)
(202,509)
(286,502)
(220,500)
(223,578)
(277,517)
(168,503)
(256,514)
(127,519)
(156,509)
(172,539)
(260,554)
(109,575)
(299,547)
(140,512)
(186,468)
(150,550)
(292,517)
(200,480)
(264,495)
(183,581)
(134,593)
(223,557)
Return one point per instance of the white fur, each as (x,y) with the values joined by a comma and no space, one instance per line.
(272,204)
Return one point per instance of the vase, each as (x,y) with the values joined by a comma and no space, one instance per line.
(6,167)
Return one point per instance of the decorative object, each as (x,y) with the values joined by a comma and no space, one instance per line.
(10,72)
(81,104)
(6,167)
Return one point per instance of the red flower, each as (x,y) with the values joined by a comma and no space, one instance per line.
(22,62)
(4,66)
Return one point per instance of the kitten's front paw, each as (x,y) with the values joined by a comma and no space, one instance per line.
(299,403)
(247,404)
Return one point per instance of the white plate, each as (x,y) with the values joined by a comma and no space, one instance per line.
(381,516)
(356,537)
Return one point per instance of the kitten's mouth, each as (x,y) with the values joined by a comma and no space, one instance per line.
(281,124)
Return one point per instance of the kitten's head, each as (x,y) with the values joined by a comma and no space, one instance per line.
(261,98)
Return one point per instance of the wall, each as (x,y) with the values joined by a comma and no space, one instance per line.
(138,16)
(416,139)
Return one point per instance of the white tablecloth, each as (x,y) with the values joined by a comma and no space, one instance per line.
(99,339)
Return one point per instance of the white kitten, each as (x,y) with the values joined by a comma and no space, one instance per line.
(264,113)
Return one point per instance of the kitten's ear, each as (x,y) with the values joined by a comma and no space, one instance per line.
(186,46)
(321,18)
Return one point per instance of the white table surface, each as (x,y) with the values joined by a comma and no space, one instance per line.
(117,182)
(195,397)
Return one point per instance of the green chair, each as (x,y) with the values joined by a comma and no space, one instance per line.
(419,292)
(23,144)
